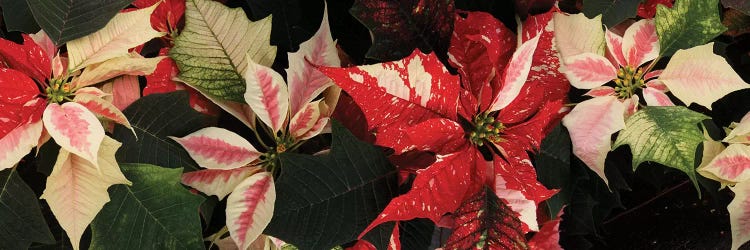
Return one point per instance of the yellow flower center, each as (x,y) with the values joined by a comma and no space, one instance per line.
(486,129)
(628,81)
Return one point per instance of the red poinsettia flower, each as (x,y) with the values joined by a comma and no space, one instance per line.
(501,105)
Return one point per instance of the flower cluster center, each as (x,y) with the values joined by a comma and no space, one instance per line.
(58,91)
(486,128)
(628,81)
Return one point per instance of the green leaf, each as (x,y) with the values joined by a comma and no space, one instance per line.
(398,27)
(665,135)
(553,167)
(687,24)
(21,220)
(416,234)
(67,20)
(325,201)
(612,11)
(17,16)
(154,117)
(212,50)
(157,212)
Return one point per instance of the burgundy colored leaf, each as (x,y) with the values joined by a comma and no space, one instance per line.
(484,222)
(647,9)
(399,27)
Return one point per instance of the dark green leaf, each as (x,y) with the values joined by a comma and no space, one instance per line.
(612,11)
(70,19)
(687,24)
(552,164)
(17,16)
(416,234)
(21,220)
(325,201)
(156,212)
(398,27)
(740,5)
(665,135)
(154,117)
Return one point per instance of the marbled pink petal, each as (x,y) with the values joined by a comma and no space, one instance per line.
(731,165)
(91,91)
(18,142)
(217,182)
(267,95)
(125,90)
(250,208)
(588,70)
(601,91)
(305,119)
(591,124)
(652,74)
(739,214)
(75,129)
(614,46)
(631,105)
(515,74)
(305,81)
(655,97)
(640,43)
(740,133)
(218,148)
(697,75)
(103,108)
(657,85)
(319,128)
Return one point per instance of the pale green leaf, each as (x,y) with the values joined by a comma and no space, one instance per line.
(687,24)
(210,52)
(665,135)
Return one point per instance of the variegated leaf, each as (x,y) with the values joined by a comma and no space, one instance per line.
(218,148)
(74,128)
(211,51)
(77,189)
(250,208)
(18,142)
(126,30)
(577,34)
(267,95)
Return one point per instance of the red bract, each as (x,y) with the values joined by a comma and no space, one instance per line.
(647,9)
(167,15)
(501,104)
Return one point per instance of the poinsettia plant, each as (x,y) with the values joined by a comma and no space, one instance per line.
(369,124)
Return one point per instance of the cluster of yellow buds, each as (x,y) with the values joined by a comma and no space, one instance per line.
(58,91)
(628,81)
(486,128)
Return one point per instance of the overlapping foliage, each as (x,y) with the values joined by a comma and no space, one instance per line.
(146,118)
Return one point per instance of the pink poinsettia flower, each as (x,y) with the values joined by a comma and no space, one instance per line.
(731,167)
(618,71)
